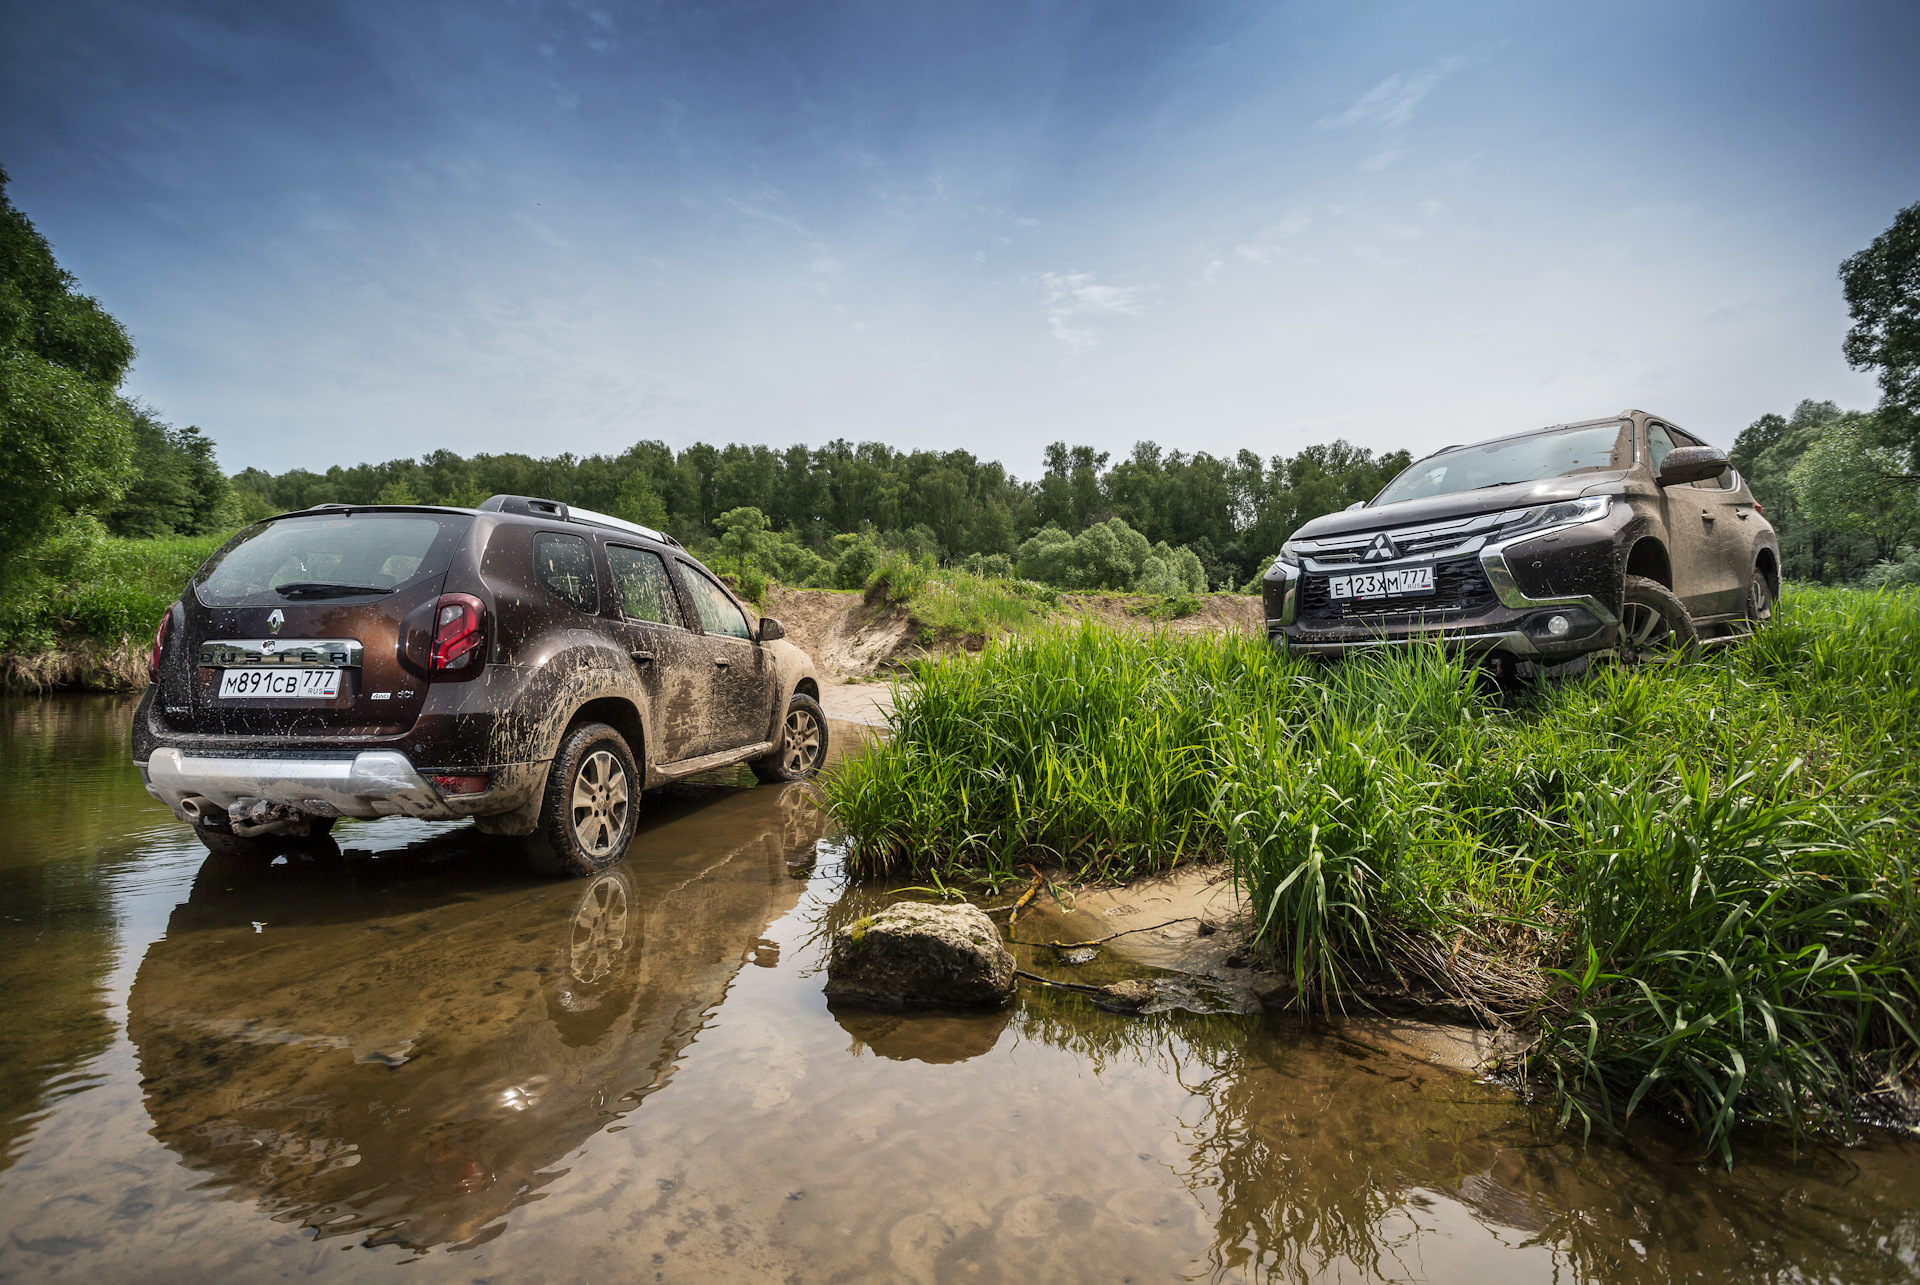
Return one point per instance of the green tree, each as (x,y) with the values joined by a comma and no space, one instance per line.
(1766,453)
(639,502)
(174,487)
(1847,481)
(65,437)
(1882,287)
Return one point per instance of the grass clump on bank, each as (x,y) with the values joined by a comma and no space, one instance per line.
(1691,879)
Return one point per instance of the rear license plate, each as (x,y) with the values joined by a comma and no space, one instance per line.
(279,684)
(1383,584)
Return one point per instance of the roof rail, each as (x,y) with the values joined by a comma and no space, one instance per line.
(591,518)
(528,506)
(534,507)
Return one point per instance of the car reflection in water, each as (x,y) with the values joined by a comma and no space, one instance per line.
(404,1048)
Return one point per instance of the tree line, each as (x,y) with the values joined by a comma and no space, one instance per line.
(1232,513)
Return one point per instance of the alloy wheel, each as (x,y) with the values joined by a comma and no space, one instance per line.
(801,746)
(600,802)
(1759,598)
(1645,629)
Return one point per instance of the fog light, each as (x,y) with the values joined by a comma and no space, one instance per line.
(1558,626)
(463,784)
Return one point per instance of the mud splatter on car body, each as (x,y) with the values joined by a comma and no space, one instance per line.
(1538,548)
(426,661)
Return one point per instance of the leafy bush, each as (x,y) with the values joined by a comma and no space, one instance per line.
(1891,574)
(83,584)
(858,556)
(997,566)
(1110,555)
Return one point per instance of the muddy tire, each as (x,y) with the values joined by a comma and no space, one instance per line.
(1759,604)
(800,745)
(592,799)
(1654,625)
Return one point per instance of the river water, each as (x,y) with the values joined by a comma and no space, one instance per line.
(408,1054)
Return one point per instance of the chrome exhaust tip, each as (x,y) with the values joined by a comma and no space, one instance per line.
(202,810)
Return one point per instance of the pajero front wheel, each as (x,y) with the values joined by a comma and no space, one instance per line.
(1759,599)
(1654,624)
(592,799)
(801,746)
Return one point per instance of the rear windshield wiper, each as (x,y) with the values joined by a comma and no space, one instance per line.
(322,589)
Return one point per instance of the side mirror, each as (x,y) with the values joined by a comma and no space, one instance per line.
(1686,464)
(771,629)
(1357,504)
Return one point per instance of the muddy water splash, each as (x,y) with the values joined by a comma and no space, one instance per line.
(407,1052)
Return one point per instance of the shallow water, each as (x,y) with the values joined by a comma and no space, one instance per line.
(409,1053)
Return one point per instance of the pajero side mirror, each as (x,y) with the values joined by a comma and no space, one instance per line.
(1686,464)
(771,629)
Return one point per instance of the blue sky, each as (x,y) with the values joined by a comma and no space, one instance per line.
(344,231)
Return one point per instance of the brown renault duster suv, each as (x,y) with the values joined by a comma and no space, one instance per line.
(528,665)
(1539,548)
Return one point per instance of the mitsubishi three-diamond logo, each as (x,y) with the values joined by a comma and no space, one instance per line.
(1381,550)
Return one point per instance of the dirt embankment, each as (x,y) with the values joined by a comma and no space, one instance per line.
(852,638)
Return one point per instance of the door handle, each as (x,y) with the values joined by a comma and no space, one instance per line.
(641,658)
(722,663)
(1705,516)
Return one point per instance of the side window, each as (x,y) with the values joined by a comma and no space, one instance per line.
(640,580)
(718,615)
(1658,444)
(564,564)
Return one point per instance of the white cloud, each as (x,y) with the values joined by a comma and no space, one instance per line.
(1390,103)
(1267,249)
(1074,297)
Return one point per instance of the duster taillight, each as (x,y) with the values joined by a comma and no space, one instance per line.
(459,636)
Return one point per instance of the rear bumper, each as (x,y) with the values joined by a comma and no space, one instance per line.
(373,783)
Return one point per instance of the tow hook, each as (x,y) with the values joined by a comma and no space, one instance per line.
(250,818)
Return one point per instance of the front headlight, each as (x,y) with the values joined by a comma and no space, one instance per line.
(1588,508)
(1288,557)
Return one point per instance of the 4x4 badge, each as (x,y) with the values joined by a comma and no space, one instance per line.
(1381,550)
(278,618)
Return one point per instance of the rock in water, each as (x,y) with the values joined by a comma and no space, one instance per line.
(916,954)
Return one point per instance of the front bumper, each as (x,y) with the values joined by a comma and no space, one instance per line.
(1515,625)
(372,783)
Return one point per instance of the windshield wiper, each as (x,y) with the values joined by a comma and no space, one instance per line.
(322,589)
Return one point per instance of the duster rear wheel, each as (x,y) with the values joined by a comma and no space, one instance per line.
(592,799)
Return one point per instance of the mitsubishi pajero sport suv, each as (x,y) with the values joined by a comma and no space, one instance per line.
(1622,533)
(528,665)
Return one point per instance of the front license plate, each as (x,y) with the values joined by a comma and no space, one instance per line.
(279,684)
(1383,584)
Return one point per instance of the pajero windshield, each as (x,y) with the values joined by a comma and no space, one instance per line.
(1561,452)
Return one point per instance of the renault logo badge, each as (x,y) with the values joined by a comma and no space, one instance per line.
(279,617)
(1381,550)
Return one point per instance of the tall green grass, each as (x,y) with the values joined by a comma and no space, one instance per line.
(1691,879)
(86,586)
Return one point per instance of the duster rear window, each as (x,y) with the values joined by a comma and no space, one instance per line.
(381,552)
